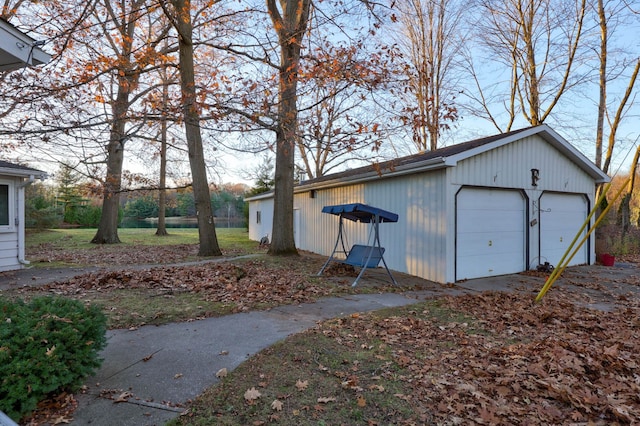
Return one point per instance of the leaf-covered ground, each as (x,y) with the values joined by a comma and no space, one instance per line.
(486,359)
(490,358)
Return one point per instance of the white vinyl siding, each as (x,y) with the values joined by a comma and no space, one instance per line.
(416,244)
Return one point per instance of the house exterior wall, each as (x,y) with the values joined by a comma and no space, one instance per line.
(262,208)
(10,236)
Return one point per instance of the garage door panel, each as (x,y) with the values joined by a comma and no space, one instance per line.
(484,265)
(561,216)
(492,244)
(494,220)
(490,232)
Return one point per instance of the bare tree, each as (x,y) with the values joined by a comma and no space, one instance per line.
(609,14)
(127,79)
(340,121)
(539,42)
(430,38)
(290,19)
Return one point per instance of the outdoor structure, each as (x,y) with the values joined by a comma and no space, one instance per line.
(17,50)
(13,180)
(360,255)
(491,206)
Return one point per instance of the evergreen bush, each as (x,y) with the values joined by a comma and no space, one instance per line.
(47,345)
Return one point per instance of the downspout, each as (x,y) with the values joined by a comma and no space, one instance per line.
(21,214)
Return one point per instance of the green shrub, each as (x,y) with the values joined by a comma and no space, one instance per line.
(47,345)
(87,216)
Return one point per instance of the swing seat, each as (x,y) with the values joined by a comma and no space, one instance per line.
(359,254)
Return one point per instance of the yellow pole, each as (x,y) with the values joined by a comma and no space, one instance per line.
(562,265)
(584,225)
(556,270)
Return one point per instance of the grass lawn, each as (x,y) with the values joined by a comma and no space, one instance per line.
(73,247)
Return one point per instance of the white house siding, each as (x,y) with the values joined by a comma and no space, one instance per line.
(9,236)
(9,251)
(416,244)
(263,229)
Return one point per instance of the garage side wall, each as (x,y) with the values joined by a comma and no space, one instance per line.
(260,219)
(416,244)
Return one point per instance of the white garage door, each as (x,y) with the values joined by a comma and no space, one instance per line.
(490,232)
(561,216)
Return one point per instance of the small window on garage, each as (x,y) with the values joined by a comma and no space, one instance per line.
(5,219)
(258,216)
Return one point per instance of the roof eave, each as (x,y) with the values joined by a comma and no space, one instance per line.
(261,196)
(422,166)
(24,173)
(18,49)
(576,156)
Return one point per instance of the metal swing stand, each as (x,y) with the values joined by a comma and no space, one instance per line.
(360,256)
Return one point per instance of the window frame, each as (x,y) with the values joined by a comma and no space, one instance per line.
(11,207)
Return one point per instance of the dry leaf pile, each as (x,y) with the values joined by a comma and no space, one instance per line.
(245,286)
(110,254)
(512,361)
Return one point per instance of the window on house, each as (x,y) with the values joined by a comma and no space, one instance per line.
(258,217)
(4,205)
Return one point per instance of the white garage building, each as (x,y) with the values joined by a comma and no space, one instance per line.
(491,206)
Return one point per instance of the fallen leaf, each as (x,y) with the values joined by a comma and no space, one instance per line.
(252,394)
(361,401)
(123,397)
(324,400)
(302,385)
(221,373)
(276,405)
(62,419)
(379,388)
(178,375)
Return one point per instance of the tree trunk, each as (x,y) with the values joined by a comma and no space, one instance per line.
(127,77)
(290,25)
(602,101)
(107,232)
(206,227)
(162,196)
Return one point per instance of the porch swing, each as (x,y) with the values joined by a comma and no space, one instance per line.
(360,256)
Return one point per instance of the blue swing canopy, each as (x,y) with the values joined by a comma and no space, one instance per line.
(359,212)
